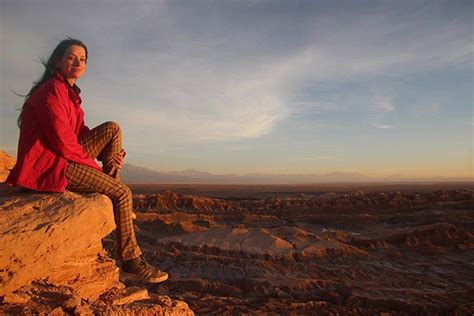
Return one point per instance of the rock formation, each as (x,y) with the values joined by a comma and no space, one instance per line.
(6,163)
(56,237)
(52,260)
(346,253)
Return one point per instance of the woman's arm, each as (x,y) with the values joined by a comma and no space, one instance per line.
(52,114)
(83,129)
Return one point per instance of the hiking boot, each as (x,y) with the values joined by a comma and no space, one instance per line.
(139,269)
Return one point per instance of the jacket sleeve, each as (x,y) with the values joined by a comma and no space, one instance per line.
(52,113)
(83,129)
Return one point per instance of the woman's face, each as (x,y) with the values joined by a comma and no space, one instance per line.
(73,63)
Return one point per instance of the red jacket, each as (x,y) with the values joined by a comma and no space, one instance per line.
(52,120)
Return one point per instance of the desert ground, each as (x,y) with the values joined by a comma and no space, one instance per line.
(347,249)
(322,249)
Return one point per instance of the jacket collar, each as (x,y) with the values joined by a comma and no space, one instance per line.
(58,75)
(74,90)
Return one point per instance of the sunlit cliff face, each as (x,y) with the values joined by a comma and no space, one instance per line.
(73,63)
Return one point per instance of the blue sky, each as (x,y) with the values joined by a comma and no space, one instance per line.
(377,87)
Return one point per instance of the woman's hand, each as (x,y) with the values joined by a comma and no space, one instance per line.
(118,159)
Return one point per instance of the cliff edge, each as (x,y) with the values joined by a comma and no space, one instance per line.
(56,237)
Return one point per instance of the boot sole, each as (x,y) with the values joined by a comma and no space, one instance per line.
(160,279)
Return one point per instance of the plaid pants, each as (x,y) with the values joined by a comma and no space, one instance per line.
(103,142)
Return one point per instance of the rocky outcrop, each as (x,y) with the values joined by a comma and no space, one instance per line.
(170,200)
(357,201)
(52,260)
(6,164)
(56,237)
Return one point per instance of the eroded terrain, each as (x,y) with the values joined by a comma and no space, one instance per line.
(313,250)
(354,252)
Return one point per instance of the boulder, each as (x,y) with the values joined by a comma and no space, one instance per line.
(52,260)
(7,162)
(56,237)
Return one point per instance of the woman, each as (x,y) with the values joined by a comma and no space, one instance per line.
(56,150)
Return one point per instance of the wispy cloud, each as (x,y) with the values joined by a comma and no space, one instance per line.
(385,104)
(207,87)
(177,72)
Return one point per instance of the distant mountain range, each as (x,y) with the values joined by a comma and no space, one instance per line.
(132,173)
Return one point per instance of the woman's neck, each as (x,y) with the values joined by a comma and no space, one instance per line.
(71,81)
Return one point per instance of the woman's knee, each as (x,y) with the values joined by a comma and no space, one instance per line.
(124,192)
(113,126)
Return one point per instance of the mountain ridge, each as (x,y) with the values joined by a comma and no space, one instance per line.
(134,173)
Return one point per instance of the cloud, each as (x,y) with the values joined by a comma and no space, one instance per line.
(191,100)
(218,72)
(384,104)
(384,126)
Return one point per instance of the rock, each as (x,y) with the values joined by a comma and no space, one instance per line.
(56,237)
(131,294)
(7,162)
(136,300)
(83,310)
(72,303)
(13,298)
(173,201)
(52,261)
(251,240)
(58,311)
(165,300)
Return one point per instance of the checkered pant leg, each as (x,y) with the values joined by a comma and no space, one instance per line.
(103,142)
(86,179)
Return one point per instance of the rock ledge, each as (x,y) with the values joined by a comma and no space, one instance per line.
(56,237)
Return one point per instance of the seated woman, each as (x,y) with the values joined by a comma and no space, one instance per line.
(56,151)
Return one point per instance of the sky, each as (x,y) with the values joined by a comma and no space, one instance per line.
(276,87)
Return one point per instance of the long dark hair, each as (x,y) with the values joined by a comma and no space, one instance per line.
(50,65)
